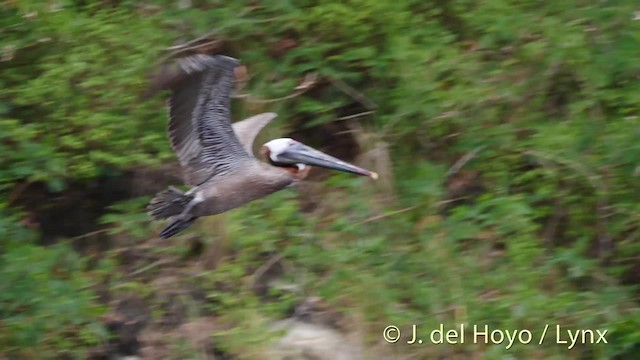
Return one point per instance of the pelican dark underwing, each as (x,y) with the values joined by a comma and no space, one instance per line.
(216,157)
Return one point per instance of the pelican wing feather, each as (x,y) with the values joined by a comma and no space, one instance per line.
(200,130)
(248,129)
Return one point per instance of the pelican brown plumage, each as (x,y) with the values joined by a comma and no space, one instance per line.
(217,157)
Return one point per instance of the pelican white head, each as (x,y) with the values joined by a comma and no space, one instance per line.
(277,147)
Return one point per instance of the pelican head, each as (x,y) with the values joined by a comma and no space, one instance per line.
(297,158)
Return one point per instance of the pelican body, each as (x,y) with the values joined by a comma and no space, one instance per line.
(217,157)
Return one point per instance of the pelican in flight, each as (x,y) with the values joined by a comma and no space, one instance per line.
(217,157)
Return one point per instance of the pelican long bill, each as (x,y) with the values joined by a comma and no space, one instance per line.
(303,154)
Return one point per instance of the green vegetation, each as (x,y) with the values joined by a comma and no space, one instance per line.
(507,133)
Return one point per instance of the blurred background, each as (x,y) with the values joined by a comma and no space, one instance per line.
(506,134)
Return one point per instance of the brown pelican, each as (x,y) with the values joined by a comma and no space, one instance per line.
(216,156)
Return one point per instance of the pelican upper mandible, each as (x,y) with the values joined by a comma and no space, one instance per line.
(216,157)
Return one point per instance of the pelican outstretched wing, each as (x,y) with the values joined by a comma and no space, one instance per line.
(247,129)
(199,128)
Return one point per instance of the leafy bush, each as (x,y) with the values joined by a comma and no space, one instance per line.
(47,306)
